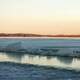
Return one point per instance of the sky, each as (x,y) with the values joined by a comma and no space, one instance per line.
(40,16)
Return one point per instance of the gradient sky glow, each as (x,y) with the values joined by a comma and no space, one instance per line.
(40,16)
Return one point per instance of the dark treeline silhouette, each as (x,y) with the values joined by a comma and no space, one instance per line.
(33,35)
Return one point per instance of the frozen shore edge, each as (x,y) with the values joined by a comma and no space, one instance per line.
(46,52)
(41,49)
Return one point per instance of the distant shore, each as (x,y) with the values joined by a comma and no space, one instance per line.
(34,35)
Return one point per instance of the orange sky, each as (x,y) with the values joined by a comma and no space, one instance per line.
(40,16)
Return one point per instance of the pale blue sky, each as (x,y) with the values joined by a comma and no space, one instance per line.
(56,16)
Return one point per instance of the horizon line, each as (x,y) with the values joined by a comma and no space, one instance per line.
(37,35)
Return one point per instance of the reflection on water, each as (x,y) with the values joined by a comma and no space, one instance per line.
(13,56)
(63,62)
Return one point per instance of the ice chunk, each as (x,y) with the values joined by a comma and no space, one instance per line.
(14,46)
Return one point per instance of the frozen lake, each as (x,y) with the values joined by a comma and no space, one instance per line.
(33,43)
